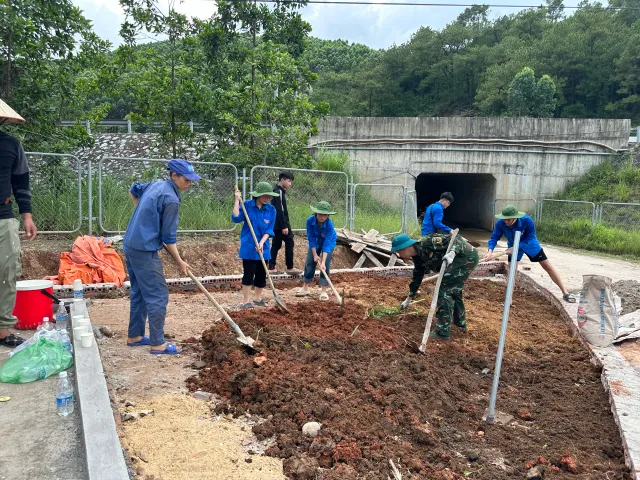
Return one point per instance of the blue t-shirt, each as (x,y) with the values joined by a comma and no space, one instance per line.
(321,237)
(432,222)
(155,219)
(263,220)
(529,243)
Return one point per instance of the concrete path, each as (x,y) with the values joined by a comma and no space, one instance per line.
(36,442)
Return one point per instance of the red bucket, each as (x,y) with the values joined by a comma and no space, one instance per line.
(31,304)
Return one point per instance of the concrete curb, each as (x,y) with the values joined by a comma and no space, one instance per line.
(103,451)
(619,378)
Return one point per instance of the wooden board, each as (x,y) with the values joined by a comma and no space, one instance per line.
(373,259)
(358,247)
(360,261)
(392,260)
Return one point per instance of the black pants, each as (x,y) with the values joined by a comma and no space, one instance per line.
(288,249)
(254,274)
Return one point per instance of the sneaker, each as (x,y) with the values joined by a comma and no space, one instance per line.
(294,271)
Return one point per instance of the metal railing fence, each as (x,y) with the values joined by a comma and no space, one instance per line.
(623,216)
(309,187)
(206,206)
(566,210)
(57,185)
(378,206)
(64,201)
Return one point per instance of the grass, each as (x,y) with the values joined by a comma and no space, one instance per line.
(582,234)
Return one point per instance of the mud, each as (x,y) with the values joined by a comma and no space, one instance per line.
(629,293)
(378,399)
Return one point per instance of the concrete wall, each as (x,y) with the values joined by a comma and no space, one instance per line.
(393,150)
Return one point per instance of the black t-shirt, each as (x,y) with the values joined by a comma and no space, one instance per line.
(14,176)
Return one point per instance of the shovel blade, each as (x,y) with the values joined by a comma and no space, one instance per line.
(280,303)
(247,342)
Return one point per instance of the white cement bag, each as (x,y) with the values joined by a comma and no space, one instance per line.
(597,316)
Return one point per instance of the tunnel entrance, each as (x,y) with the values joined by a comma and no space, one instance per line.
(474,194)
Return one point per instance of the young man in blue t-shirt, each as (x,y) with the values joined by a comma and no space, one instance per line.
(511,221)
(434,215)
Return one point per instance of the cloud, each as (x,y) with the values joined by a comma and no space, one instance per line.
(378,26)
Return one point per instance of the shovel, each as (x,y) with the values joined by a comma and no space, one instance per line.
(279,301)
(434,300)
(335,292)
(242,338)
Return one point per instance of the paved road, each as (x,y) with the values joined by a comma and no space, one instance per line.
(36,442)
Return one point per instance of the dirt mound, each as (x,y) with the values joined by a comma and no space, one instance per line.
(377,399)
(41,258)
(629,293)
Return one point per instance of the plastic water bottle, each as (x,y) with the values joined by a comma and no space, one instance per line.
(64,395)
(66,341)
(62,318)
(78,289)
(46,326)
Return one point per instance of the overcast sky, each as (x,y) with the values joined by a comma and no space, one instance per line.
(378,26)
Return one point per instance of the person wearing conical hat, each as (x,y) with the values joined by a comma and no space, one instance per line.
(321,235)
(511,221)
(263,219)
(14,180)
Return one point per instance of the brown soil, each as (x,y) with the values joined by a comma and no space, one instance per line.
(378,399)
(40,258)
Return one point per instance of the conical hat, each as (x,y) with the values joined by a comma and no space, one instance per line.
(9,115)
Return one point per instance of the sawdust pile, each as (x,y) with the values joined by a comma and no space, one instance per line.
(181,440)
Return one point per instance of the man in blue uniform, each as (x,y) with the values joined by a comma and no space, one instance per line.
(154,224)
(432,222)
(511,221)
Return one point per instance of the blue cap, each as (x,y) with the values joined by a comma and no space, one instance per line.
(400,242)
(184,168)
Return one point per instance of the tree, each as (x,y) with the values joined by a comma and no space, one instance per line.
(166,80)
(530,99)
(46,48)
(262,84)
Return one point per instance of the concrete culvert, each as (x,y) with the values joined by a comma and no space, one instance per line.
(474,194)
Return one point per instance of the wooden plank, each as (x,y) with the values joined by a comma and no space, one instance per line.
(371,236)
(358,247)
(373,259)
(392,260)
(360,261)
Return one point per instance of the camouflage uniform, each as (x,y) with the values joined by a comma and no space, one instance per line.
(431,249)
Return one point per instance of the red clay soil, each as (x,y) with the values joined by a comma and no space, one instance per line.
(378,399)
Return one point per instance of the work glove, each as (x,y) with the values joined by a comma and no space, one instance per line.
(404,305)
(448,258)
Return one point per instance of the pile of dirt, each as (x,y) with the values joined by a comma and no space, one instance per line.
(42,258)
(377,399)
(629,293)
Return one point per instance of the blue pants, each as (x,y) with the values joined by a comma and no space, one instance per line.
(149,295)
(310,269)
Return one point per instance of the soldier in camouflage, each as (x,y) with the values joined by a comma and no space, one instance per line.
(428,254)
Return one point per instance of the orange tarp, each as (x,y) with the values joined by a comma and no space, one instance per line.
(92,262)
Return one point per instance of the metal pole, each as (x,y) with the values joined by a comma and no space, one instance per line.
(128,126)
(503,330)
(89,198)
(244,184)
